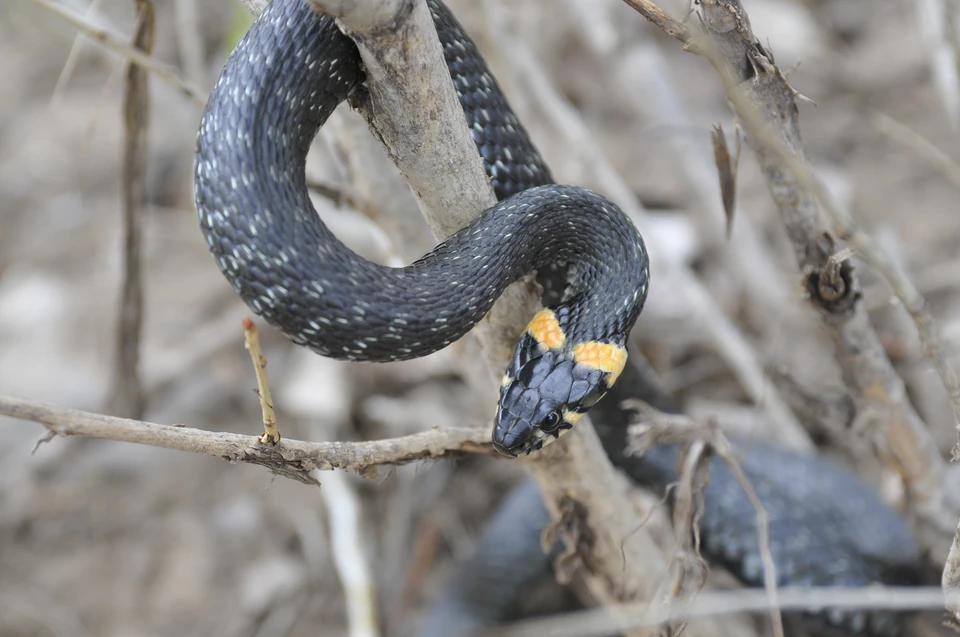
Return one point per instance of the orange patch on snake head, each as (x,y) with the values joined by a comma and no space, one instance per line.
(546,330)
(608,357)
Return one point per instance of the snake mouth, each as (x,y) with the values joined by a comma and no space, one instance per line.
(524,438)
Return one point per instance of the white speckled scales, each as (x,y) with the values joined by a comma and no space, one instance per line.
(278,88)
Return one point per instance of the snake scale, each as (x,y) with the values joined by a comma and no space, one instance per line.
(281,83)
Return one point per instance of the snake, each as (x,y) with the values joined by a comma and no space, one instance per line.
(278,87)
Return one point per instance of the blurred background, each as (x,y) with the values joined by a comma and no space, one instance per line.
(103,538)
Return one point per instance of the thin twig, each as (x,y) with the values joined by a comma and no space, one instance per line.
(71,62)
(657,427)
(722,447)
(936,29)
(318,396)
(127,394)
(115,43)
(346,534)
(251,341)
(293,459)
(919,145)
(190,40)
(604,621)
(659,17)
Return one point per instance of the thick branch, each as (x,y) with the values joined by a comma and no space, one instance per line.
(293,459)
(407,78)
(766,106)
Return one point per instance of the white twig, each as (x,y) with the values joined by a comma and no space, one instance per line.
(935,31)
(343,511)
(71,62)
(190,41)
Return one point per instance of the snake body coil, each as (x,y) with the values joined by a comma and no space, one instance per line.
(280,85)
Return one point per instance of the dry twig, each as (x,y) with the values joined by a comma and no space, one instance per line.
(605,621)
(348,555)
(292,459)
(127,393)
(115,43)
(71,62)
(920,146)
(251,341)
(656,427)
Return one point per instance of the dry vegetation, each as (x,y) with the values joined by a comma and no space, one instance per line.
(110,538)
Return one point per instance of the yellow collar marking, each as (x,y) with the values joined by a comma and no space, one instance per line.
(609,357)
(546,330)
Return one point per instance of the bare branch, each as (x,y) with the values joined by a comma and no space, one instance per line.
(657,427)
(404,62)
(252,342)
(71,62)
(127,393)
(659,17)
(115,43)
(936,27)
(604,621)
(766,106)
(922,147)
(405,71)
(293,459)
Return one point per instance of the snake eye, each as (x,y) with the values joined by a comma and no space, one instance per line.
(551,424)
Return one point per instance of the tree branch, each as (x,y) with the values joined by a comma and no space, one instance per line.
(127,396)
(599,622)
(292,459)
(406,74)
(766,106)
(115,43)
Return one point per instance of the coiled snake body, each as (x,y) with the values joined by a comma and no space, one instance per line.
(278,88)
(282,82)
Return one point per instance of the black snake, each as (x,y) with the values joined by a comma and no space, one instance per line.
(281,83)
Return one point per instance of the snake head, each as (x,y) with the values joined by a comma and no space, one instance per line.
(550,384)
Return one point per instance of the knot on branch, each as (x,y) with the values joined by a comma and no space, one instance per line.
(832,287)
